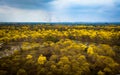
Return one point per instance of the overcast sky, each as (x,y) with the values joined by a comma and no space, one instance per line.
(59,10)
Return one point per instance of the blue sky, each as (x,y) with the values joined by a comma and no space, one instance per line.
(59,10)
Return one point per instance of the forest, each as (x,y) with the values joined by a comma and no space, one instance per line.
(59,49)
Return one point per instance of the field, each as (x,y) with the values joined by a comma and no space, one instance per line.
(59,49)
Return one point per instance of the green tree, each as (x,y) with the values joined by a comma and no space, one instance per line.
(21,72)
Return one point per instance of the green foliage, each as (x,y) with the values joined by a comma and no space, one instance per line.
(21,72)
(101,73)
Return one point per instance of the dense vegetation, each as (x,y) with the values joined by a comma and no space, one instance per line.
(59,50)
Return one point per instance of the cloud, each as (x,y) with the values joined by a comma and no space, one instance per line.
(62,4)
(9,14)
(26,4)
(59,10)
(87,10)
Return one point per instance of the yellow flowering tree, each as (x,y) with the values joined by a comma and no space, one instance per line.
(42,59)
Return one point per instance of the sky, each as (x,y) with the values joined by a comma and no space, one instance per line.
(59,10)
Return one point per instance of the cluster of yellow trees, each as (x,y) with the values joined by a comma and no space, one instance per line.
(60,50)
(81,33)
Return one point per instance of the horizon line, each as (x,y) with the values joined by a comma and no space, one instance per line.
(59,22)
